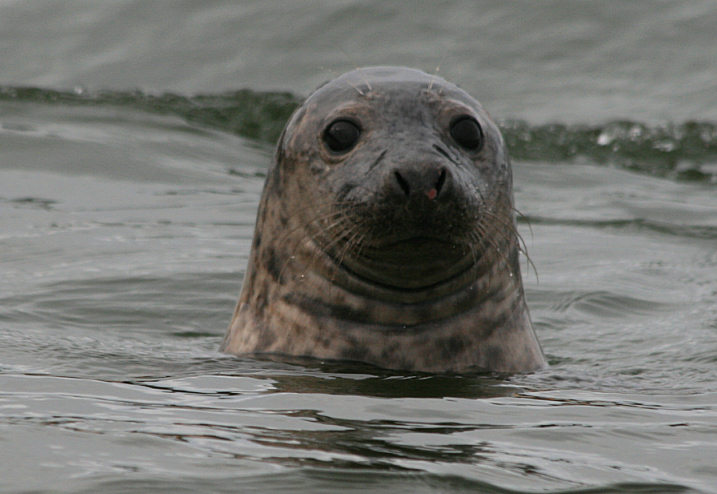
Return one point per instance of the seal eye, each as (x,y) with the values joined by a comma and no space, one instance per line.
(341,135)
(466,131)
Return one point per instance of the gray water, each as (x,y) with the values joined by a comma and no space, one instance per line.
(134,140)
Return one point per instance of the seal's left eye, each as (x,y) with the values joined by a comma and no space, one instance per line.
(467,132)
(341,135)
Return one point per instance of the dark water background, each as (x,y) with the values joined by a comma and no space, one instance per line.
(134,140)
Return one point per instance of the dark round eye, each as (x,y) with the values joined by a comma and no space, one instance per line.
(341,135)
(467,132)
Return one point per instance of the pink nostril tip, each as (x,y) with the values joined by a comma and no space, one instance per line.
(432,194)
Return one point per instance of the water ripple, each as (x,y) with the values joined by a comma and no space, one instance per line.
(681,150)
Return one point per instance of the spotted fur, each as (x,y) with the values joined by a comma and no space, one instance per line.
(401,251)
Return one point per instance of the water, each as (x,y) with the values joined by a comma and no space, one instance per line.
(134,140)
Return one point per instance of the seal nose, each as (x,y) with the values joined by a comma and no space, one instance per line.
(411,182)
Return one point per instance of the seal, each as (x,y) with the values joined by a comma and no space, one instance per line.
(386,234)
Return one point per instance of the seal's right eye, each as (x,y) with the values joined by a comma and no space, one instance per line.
(341,135)
(467,132)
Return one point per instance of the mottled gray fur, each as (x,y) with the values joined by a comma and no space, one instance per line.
(401,252)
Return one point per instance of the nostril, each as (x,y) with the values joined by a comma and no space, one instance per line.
(403,184)
(441,180)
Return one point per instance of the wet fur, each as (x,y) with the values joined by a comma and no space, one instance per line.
(311,288)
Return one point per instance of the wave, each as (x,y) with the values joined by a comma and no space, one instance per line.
(685,151)
(682,151)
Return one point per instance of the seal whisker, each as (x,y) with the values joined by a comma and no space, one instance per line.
(303,225)
(489,238)
(525,218)
(358,89)
(343,235)
(354,238)
(522,247)
(286,235)
(434,76)
(339,237)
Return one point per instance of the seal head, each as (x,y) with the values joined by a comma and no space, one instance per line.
(386,233)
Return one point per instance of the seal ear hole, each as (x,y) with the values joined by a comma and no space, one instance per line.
(341,135)
(467,132)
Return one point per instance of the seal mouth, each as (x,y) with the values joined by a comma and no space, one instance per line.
(418,241)
(413,263)
(410,251)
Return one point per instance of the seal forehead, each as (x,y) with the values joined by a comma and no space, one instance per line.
(390,75)
(369,82)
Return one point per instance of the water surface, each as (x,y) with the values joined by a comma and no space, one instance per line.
(134,141)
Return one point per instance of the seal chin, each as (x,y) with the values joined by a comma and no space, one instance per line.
(416,263)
